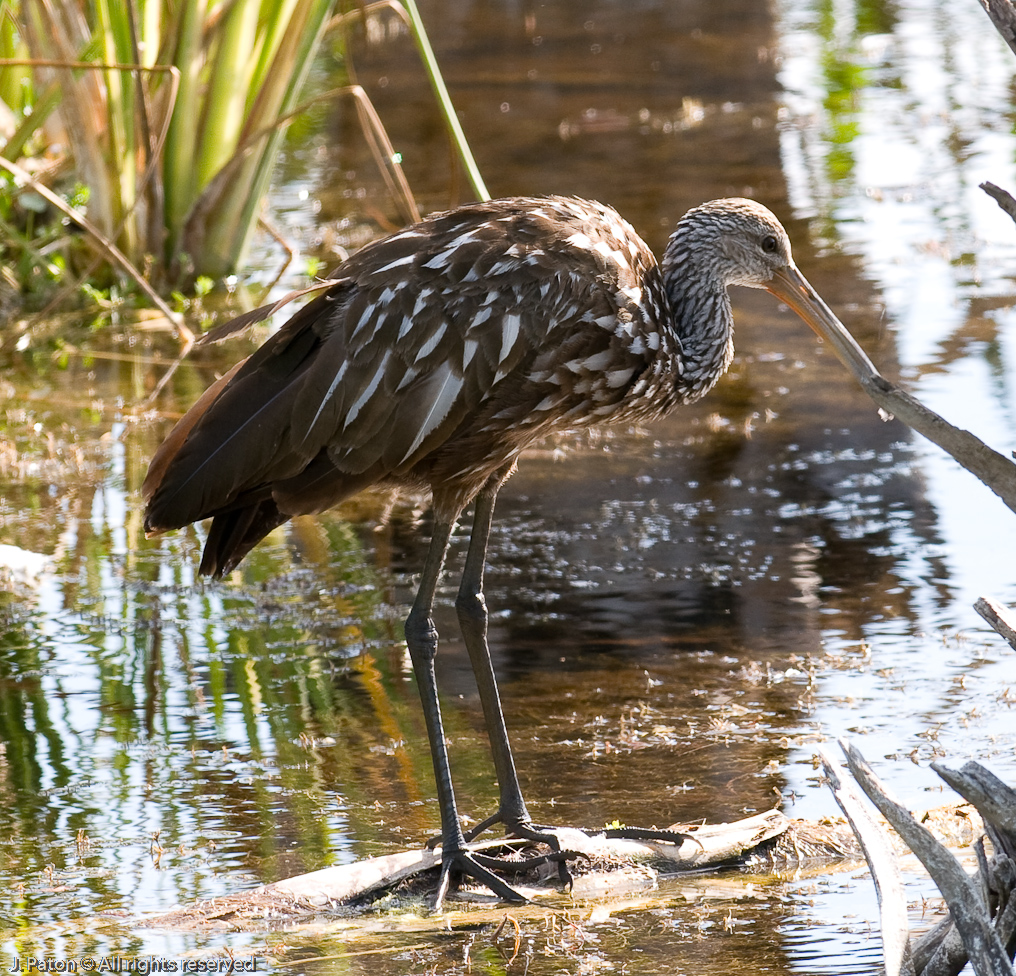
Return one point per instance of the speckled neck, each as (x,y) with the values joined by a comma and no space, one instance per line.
(703,319)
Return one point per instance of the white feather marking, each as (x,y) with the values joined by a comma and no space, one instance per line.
(407,324)
(602,247)
(598,361)
(547,403)
(634,293)
(441,403)
(618,377)
(364,319)
(328,395)
(397,263)
(578,239)
(440,261)
(468,351)
(421,300)
(408,378)
(467,238)
(480,317)
(505,264)
(370,390)
(431,344)
(653,341)
(509,335)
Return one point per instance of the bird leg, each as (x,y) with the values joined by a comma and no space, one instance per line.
(472,612)
(512,812)
(421,638)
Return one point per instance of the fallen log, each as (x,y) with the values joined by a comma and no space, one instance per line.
(605,867)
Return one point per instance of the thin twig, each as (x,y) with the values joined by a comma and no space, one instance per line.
(290,249)
(992,468)
(244,321)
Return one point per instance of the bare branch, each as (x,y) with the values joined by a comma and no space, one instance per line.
(1003,16)
(966,902)
(885,872)
(994,469)
(1002,197)
(1001,618)
(994,800)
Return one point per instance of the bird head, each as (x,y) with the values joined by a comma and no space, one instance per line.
(742,242)
(736,241)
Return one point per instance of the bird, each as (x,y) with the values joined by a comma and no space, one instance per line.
(430,361)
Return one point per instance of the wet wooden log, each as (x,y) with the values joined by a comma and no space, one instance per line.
(608,867)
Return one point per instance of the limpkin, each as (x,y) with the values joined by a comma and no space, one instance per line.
(436,356)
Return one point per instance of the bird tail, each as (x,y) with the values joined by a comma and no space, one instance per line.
(233,534)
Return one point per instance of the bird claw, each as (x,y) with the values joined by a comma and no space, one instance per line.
(455,864)
(481,867)
(538,833)
(468,861)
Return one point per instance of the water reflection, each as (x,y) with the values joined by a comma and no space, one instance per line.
(682,615)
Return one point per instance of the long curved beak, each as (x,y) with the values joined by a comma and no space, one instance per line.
(790,286)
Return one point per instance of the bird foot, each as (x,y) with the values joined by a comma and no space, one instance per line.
(481,867)
(456,864)
(516,828)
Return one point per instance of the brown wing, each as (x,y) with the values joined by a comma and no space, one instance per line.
(488,318)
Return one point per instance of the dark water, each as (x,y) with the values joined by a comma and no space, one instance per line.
(683,616)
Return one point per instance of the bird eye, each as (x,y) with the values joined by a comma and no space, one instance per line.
(769,244)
